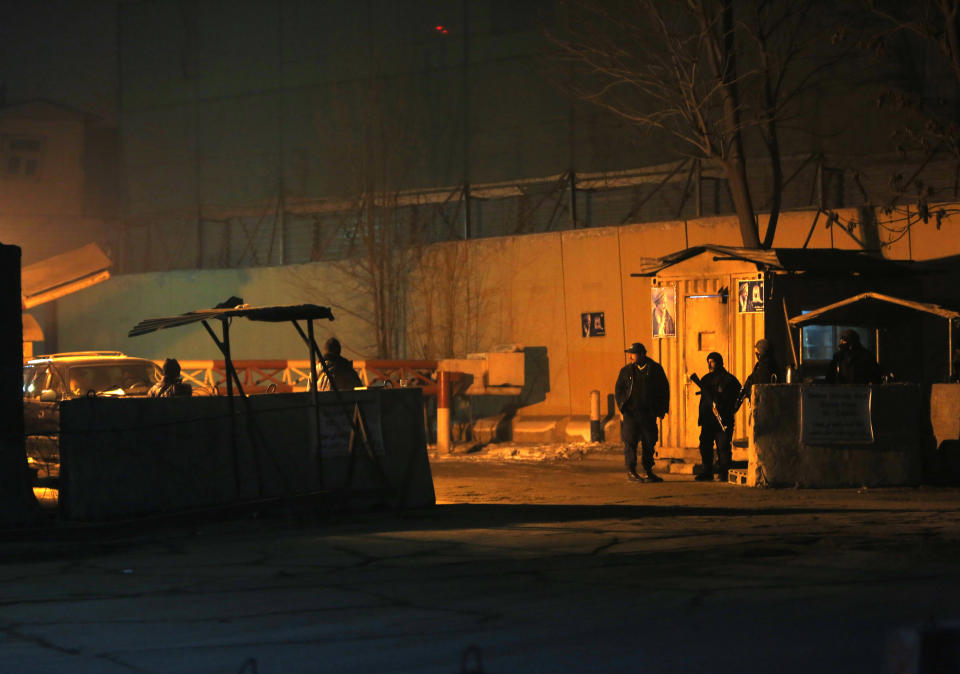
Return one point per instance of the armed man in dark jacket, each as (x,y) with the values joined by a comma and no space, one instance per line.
(642,393)
(719,396)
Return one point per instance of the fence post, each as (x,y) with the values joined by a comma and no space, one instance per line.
(443,410)
(596,432)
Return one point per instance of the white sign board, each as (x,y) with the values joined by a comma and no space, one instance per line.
(836,415)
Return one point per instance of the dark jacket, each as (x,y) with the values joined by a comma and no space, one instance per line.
(722,388)
(643,390)
(855,365)
(345,378)
(765,371)
(168,389)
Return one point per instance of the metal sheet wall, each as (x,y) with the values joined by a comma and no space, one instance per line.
(748,328)
(744,330)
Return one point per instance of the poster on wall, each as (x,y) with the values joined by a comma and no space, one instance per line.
(749,296)
(663,299)
(592,324)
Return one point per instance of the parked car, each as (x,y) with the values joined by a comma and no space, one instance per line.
(49,379)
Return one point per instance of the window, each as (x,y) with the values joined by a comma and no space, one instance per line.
(819,342)
(133,377)
(21,156)
(35,380)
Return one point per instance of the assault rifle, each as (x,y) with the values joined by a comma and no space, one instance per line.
(713,404)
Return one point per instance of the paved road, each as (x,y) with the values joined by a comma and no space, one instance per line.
(548,567)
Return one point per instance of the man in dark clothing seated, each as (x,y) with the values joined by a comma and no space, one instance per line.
(642,393)
(171,384)
(853,364)
(719,393)
(341,370)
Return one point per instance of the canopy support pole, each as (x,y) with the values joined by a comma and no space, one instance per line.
(315,394)
(224,348)
(950,372)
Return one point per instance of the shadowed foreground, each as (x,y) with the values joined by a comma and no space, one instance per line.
(546,567)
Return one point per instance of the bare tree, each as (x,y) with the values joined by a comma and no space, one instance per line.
(707,73)
(921,39)
(369,233)
(454,292)
(384,244)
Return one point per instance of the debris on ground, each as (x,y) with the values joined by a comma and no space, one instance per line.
(523,451)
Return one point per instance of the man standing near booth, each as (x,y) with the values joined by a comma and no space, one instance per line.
(642,393)
(719,395)
(765,371)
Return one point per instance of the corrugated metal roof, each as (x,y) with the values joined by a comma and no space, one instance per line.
(831,260)
(870,309)
(275,314)
(817,260)
(653,266)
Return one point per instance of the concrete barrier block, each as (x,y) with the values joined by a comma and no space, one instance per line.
(782,459)
(538,429)
(945,412)
(492,429)
(128,457)
(577,429)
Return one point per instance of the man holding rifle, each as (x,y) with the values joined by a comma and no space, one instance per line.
(719,393)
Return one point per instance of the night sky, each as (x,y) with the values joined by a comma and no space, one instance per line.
(60,50)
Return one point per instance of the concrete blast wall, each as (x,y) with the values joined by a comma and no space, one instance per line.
(463,297)
(128,457)
(894,458)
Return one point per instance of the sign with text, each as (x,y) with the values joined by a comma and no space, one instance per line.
(836,415)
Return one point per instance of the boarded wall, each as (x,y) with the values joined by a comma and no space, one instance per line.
(139,456)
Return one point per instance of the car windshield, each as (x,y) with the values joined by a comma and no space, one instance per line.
(31,388)
(119,378)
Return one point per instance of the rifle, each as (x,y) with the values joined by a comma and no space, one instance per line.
(713,405)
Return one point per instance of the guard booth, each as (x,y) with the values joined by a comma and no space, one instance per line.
(725,299)
(914,345)
(698,289)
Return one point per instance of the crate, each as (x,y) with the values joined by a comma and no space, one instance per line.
(737,476)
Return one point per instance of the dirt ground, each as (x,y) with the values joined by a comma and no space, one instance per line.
(543,564)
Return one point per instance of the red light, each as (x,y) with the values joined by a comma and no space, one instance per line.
(439,28)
